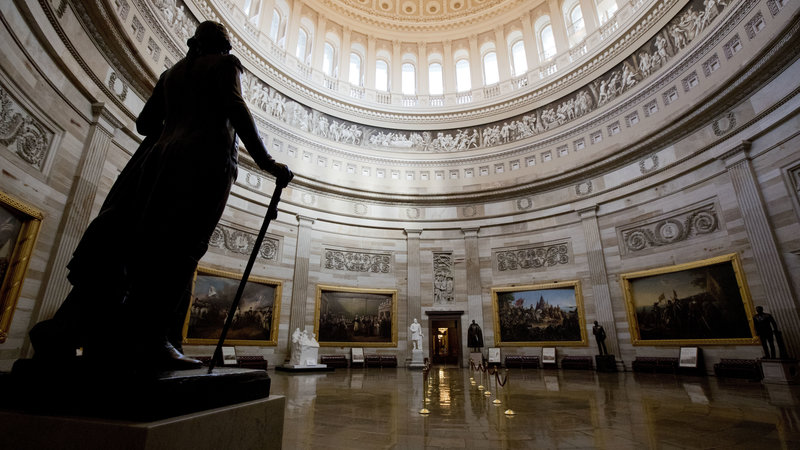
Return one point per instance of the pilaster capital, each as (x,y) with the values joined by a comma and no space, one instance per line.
(305,220)
(587,212)
(737,154)
(413,233)
(470,232)
(104,118)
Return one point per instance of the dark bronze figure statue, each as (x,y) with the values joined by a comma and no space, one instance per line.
(767,330)
(132,270)
(474,336)
(600,336)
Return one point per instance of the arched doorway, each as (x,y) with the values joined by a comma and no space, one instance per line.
(445,337)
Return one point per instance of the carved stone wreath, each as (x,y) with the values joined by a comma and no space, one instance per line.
(358,261)
(533,257)
(242,242)
(672,230)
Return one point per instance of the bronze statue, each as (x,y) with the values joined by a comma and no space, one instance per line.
(600,336)
(132,270)
(474,336)
(766,329)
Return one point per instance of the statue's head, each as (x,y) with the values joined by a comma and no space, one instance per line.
(595,322)
(209,38)
(759,309)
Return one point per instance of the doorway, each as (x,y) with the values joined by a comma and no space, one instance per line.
(445,337)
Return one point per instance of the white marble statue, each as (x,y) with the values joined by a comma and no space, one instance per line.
(305,349)
(416,335)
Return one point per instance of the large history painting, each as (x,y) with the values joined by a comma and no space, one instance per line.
(19,227)
(702,302)
(355,317)
(539,315)
(255,321)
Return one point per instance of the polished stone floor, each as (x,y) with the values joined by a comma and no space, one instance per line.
(380,408)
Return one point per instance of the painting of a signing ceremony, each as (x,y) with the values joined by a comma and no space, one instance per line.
(355,317)
(545,314)
(704,302)
(255,320)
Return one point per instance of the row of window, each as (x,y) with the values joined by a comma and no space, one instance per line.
(518,60)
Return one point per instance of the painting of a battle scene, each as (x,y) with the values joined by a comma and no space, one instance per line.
(544,314)
(704,302)
(354,317)
(255,321)
(654,54)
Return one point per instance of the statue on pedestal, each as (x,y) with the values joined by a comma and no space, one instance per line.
(474,337)
(416,335)
(305,348)
(767,329)
(600,336)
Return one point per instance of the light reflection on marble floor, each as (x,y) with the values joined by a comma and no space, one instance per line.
(379,408)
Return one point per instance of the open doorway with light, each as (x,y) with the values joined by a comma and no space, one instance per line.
(445,337)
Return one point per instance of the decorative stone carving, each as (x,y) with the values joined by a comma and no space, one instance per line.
(584,188)
(117,86)
(22,133)
(173,13)
(532,257)
(242,242)
(724,125)
(524,203)
(353,261)
(671,229)
(649,164)
(443,278)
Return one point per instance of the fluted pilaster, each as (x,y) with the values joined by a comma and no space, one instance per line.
(474,287)
(297,318)
(414,302)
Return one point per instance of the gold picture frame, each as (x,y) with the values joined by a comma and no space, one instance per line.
(355,317)
(532,315)
(257,317)
(709,304)
(19,228)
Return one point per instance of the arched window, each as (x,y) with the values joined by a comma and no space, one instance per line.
(275,26)
(381,75)
(576,19)
(490,73)
(301,45)
(435,80)
(548,42)
(409,79)
(463,79)
(354,75)
(252,8)
(518,58)
(606,9)
(328,59)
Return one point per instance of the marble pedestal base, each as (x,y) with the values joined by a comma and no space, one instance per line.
(256,424)
(417,359)
(780,371)
(304,368)
(605,363)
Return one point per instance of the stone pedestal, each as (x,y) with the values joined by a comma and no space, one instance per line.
(605,363)
(780,371)
(417,359)
(252,425)
(476,358)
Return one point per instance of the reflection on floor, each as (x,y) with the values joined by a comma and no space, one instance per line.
(379,408)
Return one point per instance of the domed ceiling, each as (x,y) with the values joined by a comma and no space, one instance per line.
(421,15)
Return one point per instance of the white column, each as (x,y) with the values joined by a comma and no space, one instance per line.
(294,27)
(590,20)
(76,218)
(319,42)
(395,81)
(369,68)
(297,318)
(422,69)
(265,16)
(475,63)
(503,61)
(598,277)
(344,55)
(474,286)
(559,28)
(414,300)
(531,46)
(771,268)
(448,68)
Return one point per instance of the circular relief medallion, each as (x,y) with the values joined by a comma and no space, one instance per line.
(412,213)
(360,209)
(433,7)
(252,180)
(524,203)
(725,124)
(456,5)
(469,211)
(364,2)
(385,5)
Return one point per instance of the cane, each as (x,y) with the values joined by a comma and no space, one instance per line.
(272,211)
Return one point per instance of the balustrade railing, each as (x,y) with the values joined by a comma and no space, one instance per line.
(463,97)
(384,98)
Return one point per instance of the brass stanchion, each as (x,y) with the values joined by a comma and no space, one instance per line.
(425,370)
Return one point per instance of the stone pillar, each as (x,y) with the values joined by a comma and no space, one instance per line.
(474,287)
(265,16)
(297,319)
(396,68)
(598,277)
(778,294)
(79,205)
(531,49)
(589,12)
(422,69)
(344,55)
(559,28)
(475,63)
(503,61)
(369,68)
(448,68)
(293,29)
(318,49)
(414,301)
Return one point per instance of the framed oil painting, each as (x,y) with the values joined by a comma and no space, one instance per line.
(699,303)
(355,317)
(547,315)
(255,321)
(19,227)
